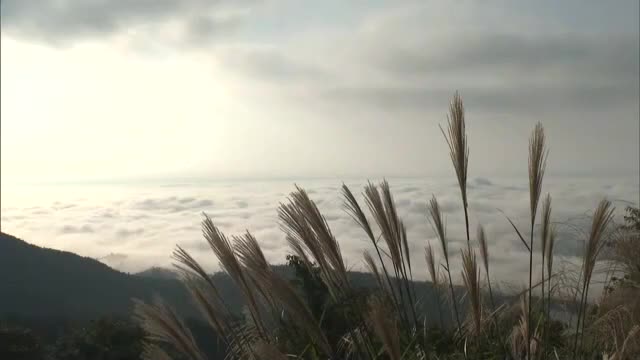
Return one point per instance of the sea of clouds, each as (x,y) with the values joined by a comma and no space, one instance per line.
(132,227)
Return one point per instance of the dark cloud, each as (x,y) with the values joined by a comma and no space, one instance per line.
(172,204)
(605,58)
(480,181)
(114,257)
(272,64)
(534,74)
(510,99)
(72,229)
(69,20)
(125,233)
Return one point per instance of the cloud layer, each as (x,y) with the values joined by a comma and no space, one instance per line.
(64,22)
(135,227)
(286,88)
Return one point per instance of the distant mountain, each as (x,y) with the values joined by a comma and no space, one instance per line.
(158,273)
(39,282)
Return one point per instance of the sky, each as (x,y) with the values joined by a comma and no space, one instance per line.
(122,121)
(146,89)
(135,227)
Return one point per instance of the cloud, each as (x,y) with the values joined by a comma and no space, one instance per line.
(365,78)
(71,229)
(408,61)
(125,233)
(270,63)
(147,230)
(172,204)
(374,82)
(480,181)
(67,21)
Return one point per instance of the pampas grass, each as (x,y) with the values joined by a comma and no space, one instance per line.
(471,280)
(537,163)
(279,291)
(437,223)
(456,137)
(308,233)
(484,255)
(434,274)
(544,236)
(151,351)
(392,229)
(595,243)
(352,207)
(280,324)
(161,323)
(524,345)
(385,327)
(373,269)
(221,246)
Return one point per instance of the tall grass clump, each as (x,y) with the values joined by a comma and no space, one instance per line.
(456,136)
(537,165)
(339,319)
(437,223)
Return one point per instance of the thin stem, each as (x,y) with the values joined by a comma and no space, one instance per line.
(453,298)
(493,304)
(575,299)
(466,222)
(542,280)
(580,316)
(386,274)
(403,270)
(548,322)
(584,314)
(543,305)
(530,291)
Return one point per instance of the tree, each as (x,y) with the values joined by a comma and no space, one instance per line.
(107,338)
(20,344)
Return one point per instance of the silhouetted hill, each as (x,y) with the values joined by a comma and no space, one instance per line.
(41,282)
(158,273)
(45,283)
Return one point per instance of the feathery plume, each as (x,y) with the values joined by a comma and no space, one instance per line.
(524,345)
(484,255)
(438,226)
(393,232)
(385,327)
(537,164)
(544,237)
(373,268)
(353,208)
(308,233)
(471,279)
(437,223)
(431,263)
(162,324)
(278,291)
(151,351)
(456,138)
(223,250)
(602,217)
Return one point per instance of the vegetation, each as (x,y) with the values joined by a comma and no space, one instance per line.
(326,316)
